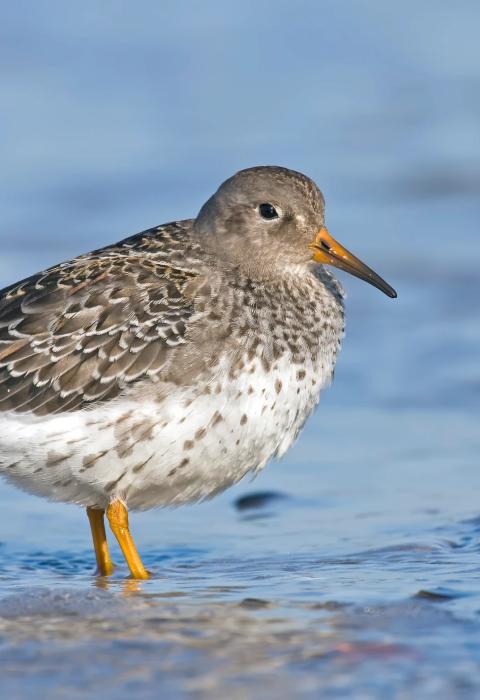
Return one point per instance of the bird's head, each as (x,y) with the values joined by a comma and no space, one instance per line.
(268,218)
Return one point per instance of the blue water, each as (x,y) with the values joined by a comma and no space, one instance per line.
(358,574)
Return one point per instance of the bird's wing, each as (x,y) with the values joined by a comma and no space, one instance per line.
(80,332)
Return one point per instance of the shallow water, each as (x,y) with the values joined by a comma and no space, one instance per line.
(352,567)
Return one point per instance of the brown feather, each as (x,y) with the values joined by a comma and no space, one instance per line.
(75,333)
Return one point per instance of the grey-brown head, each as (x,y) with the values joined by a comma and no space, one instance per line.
(266,218)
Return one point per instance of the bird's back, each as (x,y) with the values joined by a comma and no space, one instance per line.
(81,331)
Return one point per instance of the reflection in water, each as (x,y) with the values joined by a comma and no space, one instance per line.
(127,587)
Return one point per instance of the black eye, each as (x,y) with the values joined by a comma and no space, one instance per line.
(268,211)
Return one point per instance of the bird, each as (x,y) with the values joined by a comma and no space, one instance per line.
(160,370)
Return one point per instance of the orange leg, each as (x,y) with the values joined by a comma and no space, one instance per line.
(104,563)
(117,515)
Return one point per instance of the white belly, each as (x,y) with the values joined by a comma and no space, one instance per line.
(186,447)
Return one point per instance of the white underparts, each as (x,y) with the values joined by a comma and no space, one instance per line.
(186,447)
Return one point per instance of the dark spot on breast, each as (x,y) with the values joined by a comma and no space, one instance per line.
(250,389)
(142,431)
(111,484)
(119,420)
(54,458)
(182,464)
(236,368)
(188,444)
(201,432)
(125,447)
(265,364)
(216,418)
(243,419)
(278,386)
(301,374)
(90,460)
(139,467)
(73,441)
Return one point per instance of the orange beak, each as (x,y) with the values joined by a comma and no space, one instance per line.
(327,251)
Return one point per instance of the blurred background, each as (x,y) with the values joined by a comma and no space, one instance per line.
(361,558)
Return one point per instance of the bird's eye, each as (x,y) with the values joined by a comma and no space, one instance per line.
(267,211)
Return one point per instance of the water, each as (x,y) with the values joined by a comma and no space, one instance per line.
(357,574)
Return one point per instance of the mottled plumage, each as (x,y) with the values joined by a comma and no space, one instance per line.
(163,368)
(81,331)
